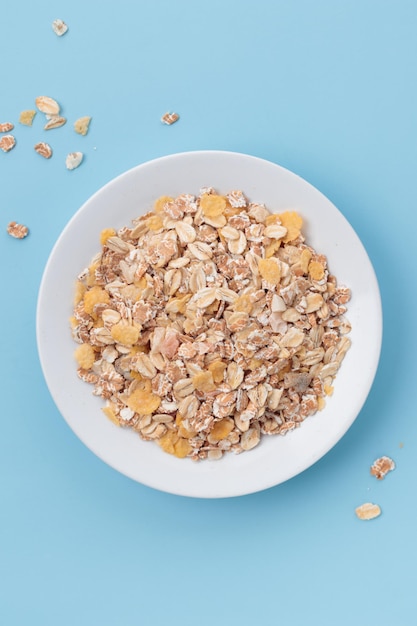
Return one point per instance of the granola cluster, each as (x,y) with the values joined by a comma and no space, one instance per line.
(208,323)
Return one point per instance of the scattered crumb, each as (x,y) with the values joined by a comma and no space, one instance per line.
(44,149)
(59,27)
(26,117)
(47,105)
(7,143)
(401,445)
(54,121)
(81,125)
(73,160)
(382,466)
(6,127)
(18,231)
(170,118)
(368,511)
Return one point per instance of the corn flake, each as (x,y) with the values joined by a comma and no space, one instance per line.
(143,402)
(212,204)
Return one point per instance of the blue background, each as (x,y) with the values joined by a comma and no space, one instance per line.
(325,88)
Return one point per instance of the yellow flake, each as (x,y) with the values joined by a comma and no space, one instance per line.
(160,202)
(270,270)
(167,442)
(212,204)
(143,402)
(81,125)
(217,369)
(125,334)
(328,390)
(272,248)
(272,219)
(106,234)
(85,356)
(108,412)
(292,222)
(204,381)
(316,270)
(26,117)
(321,403)
(243,304)
(96,295)
(80,290)
(154,222)
(182,448)
(305,260)
(222,429)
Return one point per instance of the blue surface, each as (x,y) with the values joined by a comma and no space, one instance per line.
(325,88)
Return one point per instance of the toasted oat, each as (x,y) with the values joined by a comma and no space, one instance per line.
(7,143)
(59,27)
(73,160)
(81,125)
(54,121)
(382,466)
(6,127)
(18,231)
(26,117)
(368,511)
(47,105)
(170,118)
(209,325)
(44,149)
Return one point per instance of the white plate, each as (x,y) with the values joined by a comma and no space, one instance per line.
(277,458)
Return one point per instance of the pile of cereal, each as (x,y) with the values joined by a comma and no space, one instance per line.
(208,323)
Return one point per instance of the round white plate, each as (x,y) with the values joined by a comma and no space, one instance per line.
(277,458)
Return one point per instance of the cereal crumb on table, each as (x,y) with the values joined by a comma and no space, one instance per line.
(368,511)
(18,231)
(382,466)
(7,143)
(44,149)
(47,105)
(170,118)
(26,117)
(6,127)
(74,160)
(59,27)
(81,125)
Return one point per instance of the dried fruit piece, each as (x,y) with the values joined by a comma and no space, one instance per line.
(73,160)
(382,466)
(59,27)
(7,143)
(44,149)
(170,118)
(18,231)
(82,124)
(26,117)
(47,105)
(85,356)
(368,511)
(54,121)
(6,127)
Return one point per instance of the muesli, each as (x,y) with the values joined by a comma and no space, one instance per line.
(208,323)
